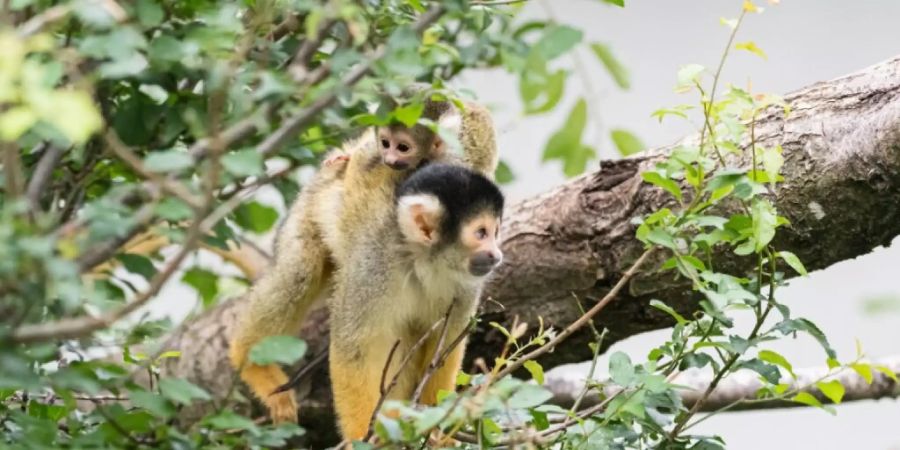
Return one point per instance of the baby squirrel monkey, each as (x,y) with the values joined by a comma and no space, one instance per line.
(433,250)
(339,202)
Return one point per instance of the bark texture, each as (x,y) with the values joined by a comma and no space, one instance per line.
(842,195)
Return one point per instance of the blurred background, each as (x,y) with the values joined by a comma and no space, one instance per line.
(805,41)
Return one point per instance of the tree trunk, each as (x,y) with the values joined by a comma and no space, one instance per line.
(841,146)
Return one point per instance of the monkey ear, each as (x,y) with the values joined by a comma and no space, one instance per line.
(419,217)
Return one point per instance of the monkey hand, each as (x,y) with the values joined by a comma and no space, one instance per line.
(282,407)
(335,158)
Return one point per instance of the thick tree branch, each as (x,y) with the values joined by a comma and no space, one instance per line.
(842,169)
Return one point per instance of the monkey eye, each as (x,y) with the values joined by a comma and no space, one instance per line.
(481,233)
(403,148)
(385,143)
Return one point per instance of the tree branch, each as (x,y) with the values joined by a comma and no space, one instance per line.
(738,392)
(42,174)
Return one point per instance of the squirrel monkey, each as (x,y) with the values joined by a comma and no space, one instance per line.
(312,241)
(433,249)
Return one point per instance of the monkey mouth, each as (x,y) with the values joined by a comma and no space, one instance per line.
(481,269)
(397,165)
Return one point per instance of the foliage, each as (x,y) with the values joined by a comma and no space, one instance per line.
(148,124)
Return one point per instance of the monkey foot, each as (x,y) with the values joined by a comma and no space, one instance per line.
(282,407)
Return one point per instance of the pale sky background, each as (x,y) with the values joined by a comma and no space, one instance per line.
(806,41)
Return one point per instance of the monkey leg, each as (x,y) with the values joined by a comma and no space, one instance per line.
(357,367)
(444,377)
(277,304)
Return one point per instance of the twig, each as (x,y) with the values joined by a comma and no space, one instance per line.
(436,359)
(580,322)
(299,65)
(12,169)
(306,369)
(42,174)
(43,20)
(387,365)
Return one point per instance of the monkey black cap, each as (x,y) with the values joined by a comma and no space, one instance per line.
(464,192)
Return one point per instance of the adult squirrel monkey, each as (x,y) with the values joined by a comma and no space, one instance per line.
(433,250)
(313,240)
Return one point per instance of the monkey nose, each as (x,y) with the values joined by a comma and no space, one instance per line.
(482,263)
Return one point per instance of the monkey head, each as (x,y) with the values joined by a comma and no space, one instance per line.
(452,214)
(405,147)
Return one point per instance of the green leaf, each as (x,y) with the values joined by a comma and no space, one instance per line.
(807,399)
(666,184)
(204,282)
(557,40)
(181,391)
(621,371)
(149,13)
(529,396)
(227,420)
(688,75)
(769,372)
(504,174)
(751,47)
(886,371)
(277,349)
(864,370)
(539,419)
(255,217)
(668,310)
(536,371)
(73,113)
(793,261)
(616,2)
(793,325)
(566,144)
(772,161)
(662,237)
(168,161)
(409,114)
(173,209)
(612,65)
(243,163)
(833,389)
(777,359)
(15,122)
(764,222)
(627,143)
(153,403)
(138,264)
(539,89)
